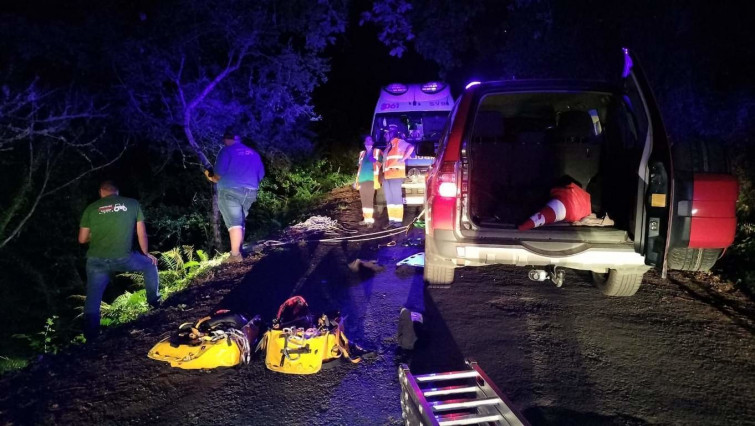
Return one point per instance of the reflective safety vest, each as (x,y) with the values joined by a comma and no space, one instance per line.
(394,166)
(376,165)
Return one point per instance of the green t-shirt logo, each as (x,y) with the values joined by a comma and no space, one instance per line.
(111,221)
(110,208)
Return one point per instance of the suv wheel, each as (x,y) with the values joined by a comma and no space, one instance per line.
(690,259)
(438,274)
(618,282)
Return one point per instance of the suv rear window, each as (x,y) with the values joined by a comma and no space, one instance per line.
(523,144)
(501,117)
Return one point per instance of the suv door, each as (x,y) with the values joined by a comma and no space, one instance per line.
(651,218)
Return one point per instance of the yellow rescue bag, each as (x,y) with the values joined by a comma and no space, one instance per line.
(221,340)
(219,350)
(295,350)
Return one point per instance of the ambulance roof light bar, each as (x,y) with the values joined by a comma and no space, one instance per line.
(396,88)
(433,87)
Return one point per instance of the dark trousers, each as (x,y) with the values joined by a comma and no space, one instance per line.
(99,270)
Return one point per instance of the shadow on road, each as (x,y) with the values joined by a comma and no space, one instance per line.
(701,291)
(318,272)
(436,350)
(563,416)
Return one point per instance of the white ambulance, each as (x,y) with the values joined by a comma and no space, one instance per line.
(419,112)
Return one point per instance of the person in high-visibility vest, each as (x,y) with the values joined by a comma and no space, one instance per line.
(394,169)
(368,180)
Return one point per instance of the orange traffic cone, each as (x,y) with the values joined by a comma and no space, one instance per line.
(570,203)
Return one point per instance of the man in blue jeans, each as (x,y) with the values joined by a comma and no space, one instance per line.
(108,226)
(238,171)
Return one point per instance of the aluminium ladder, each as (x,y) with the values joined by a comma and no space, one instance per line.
(465,397)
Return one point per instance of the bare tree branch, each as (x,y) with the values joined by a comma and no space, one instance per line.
(54,128)
(91,170)
(28,215)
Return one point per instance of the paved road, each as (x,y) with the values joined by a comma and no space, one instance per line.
(676,353)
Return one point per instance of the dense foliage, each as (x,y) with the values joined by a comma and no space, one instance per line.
(88,80)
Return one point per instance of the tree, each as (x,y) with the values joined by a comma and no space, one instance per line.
(49,140)
(690,71)
(219,63)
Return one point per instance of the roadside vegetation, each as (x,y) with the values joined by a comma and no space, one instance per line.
(738,263)
(287,194)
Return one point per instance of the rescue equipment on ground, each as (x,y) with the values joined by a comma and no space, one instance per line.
(223,339)
(296,345)
(322,229)
(417,259)
(463,397)
(569,203)
(294,312)
(410,328)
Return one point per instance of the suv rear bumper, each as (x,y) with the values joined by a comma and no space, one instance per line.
(413,193)
(444,247)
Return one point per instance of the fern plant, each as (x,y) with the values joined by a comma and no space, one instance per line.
(188,252)
(179,267)
(126,307)
(12,364)
(136,278)
(173,260)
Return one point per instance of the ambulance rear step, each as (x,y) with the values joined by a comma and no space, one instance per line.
(465,397)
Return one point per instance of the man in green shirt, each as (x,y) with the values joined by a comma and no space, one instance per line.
(108,226)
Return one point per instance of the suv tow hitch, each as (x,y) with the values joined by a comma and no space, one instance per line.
(554,273)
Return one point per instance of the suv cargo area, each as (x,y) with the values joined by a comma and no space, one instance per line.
(511,148)
(524,144)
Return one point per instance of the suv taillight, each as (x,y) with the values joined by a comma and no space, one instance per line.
(447,180)
(443,206)
(447,189)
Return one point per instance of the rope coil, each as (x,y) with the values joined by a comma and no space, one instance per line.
(236,336)
(326,225)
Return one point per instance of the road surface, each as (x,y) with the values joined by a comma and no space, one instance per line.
(682,351)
